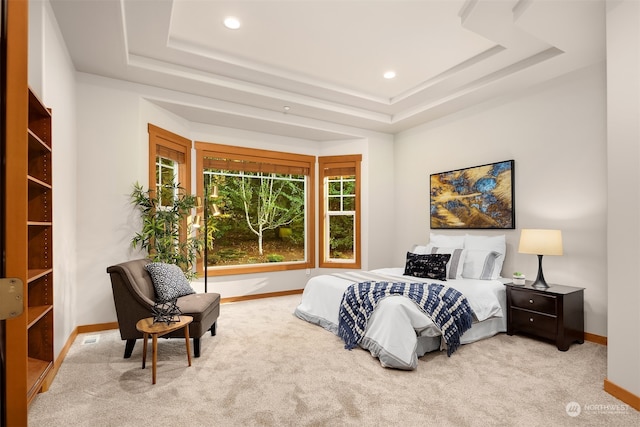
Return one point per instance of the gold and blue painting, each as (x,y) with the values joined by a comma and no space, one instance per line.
(479,197)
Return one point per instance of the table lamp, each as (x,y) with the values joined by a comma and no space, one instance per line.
(540,242)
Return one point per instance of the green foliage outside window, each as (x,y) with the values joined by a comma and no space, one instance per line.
(341,207)
(341,236)
(257,209)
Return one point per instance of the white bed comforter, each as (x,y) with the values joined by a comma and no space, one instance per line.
(397,322)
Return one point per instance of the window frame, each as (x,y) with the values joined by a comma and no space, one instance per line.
(333,166)
(176,148)
(210,149)
(170,146)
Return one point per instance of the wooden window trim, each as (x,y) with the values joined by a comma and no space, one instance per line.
(307,165)
(165,142)
(177,148)
(339,165)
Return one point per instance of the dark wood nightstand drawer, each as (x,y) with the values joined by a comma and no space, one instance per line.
(534,301)
(542,325)
(555,313)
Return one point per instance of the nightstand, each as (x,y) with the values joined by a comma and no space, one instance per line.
(555,313)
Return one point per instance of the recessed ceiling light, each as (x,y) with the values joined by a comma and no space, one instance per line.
(231,22)
(389,74)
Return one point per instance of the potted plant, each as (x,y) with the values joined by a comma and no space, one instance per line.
(518,278)
(165,233)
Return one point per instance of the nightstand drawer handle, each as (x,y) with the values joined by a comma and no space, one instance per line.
(531,319)
(531,301)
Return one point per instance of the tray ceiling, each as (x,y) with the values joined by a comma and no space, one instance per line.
(314,69)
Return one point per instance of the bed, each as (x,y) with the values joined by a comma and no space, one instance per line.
(399,331)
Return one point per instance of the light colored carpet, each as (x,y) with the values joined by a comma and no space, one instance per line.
(266,367)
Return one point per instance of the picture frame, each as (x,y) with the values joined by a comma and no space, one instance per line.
(478,197)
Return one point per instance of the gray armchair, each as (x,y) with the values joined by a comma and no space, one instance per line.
(134,297)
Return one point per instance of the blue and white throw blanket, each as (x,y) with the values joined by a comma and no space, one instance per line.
(448,309)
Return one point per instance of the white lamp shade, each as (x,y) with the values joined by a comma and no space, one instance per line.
(540,242)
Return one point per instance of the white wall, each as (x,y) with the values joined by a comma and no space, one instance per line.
(623,105)
(379,217)
(52,77)
(556,134)
(110,160)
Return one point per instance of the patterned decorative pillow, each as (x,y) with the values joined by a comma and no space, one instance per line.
(455,263)
(169,281)
(428,266)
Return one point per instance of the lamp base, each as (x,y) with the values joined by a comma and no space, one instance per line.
(540,282)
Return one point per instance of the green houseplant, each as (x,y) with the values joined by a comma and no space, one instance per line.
(165,233)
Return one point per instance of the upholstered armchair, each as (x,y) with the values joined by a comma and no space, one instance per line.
(134,296)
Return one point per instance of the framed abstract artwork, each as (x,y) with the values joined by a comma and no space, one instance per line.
(479,197)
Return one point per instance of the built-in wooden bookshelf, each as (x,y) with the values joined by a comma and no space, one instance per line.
(30,353)
(21,374)
(39,247)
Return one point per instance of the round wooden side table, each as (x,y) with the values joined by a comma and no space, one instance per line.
(147,327)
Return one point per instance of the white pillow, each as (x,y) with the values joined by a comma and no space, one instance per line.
(456,260)
(455,264)
(420,250)
(444,241)
(488,243)
(481,264)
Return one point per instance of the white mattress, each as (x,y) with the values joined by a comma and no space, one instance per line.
(398,331)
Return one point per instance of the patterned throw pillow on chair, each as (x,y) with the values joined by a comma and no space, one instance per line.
(428,266)
(169,281)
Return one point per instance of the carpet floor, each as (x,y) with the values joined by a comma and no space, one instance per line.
(266,367)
